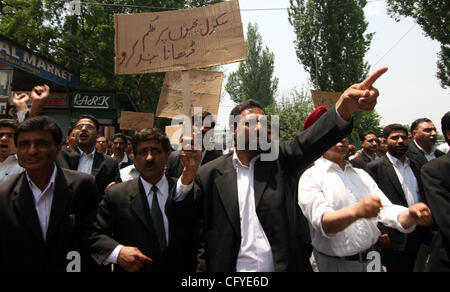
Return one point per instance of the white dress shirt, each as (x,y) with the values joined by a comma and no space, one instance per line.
(444,147)
(9,167)
(124,160)
(86,161)
(407,179)
(430,156)
(43,201)
(325,187)
(255,253)
(129,173)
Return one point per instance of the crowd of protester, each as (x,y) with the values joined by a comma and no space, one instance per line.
(90,203)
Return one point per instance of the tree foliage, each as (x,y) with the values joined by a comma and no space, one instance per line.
(292,112)
(254,78)
(433,17)
(331,41)
(331,45)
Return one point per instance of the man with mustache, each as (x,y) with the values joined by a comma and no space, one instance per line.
(146,224)
(343,205)
(422,149)
(399,179)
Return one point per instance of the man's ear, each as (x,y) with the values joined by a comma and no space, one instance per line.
(447,134)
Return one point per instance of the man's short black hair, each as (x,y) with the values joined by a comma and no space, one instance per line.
(121,136)
(8,123)
(417,122)
(204,115)
(237,110)
(363,135)
(37,124)
(445,124)
(151,134)
(92,118)
(394,127)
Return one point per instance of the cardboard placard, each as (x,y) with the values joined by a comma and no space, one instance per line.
(205,89)
(327,99)
(174,133)
(179,40)
(136,121)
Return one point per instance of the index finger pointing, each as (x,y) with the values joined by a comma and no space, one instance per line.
(367,84)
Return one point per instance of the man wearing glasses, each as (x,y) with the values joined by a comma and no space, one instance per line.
(86,159)
(9,165)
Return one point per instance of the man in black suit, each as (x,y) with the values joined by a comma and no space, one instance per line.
(175,164)
(399,179)
(248,213)
(436,178)
(86,159)
(44,211)
(120,144)
(369,143)
(422,148)
(146,224)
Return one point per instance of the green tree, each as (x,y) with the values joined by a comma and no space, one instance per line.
(254,78)
(433,17)
(331,44)
(292,112)
(331,41)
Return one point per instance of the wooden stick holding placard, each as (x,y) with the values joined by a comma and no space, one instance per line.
(187,103)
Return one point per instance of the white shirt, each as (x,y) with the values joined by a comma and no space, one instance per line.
(9,167)
(86,162)
(255,253)
(430,156)
(325,187)
(43,201)
(124,160)
(407,179)
(129,173)
(443,147)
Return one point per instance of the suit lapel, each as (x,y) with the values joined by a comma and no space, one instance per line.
(262,172)
(168,206)
(228,193)
(392,175)
(24,204)
(96,165)
(62,195)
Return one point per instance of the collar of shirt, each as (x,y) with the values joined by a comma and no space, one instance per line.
(37,192)
(87,155)
(163,185)
(396,161)
(12,159)
(237,162)
(433,149)
(326,165)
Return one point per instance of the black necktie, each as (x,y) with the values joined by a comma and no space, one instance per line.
(158,221)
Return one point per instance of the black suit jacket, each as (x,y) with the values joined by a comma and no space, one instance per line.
(175,165)
(216,196)
(384,174)
(124,217)
(361,161)
(436,178)
(22,247)
(416,155)
(105,169)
